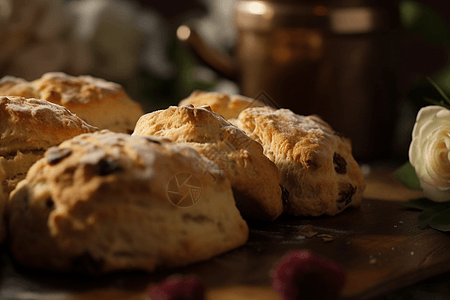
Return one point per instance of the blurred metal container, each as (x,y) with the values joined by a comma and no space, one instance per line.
(336,59)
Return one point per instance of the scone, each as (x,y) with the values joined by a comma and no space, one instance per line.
(109,201)
(99,102)
(27,128)
(315,163)
(221,103)
(13,86)
(253,176)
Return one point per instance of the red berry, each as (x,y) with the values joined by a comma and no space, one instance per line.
(178,288)
(304,275)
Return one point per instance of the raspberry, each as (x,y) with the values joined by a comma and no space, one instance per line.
(304,275)
(178,288)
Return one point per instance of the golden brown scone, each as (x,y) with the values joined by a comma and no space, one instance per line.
(253,176)
(103,202)
(315,163)
(99,102)
(13,86)
(27,128)
(221,103)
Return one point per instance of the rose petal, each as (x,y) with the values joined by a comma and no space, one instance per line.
(435,193)
(429,152)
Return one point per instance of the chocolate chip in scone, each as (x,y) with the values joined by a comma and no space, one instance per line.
(107,166)
(311,163)
(55,155)
(87,264)
(284,195)
(49,203)
(346,195)
(340,164)
(151,140)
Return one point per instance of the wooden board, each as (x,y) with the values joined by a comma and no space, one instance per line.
(379,245)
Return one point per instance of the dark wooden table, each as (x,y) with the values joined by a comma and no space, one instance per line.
(379,245)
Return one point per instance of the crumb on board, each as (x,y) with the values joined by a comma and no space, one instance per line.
(307,231)
(326,237)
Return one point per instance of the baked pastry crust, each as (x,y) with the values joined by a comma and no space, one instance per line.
(99,102)
(27,128)
(227,106)
(13,86)
(315,163)
(100,202)
(254,178)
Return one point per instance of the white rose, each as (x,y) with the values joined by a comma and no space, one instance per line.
(429,152)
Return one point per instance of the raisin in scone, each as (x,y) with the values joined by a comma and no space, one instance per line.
(100,103)
(315,163)
(227,106)
(28,127)
(109,201)
(253,176)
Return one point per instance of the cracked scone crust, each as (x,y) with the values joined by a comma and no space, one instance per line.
(13,86)
(99,102)
(99,203)
(253,176)
(315,163)
(227,106)
(27,128)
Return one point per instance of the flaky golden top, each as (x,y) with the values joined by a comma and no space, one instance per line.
(100,103)
(13,86)
(227,106)
(64,89)
(301,139)
(184,124)
(140,165)
(32,124)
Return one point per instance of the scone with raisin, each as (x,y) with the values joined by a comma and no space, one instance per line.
(253,176)
(227,106)
(100,103)
(109,201)
(315,163)
(28,127)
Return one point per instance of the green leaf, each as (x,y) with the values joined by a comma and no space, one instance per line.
(420,203)
(440,103)
(407,175)
(425,217)
(421,20)
(441,221)
(430,213)
(441,92)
